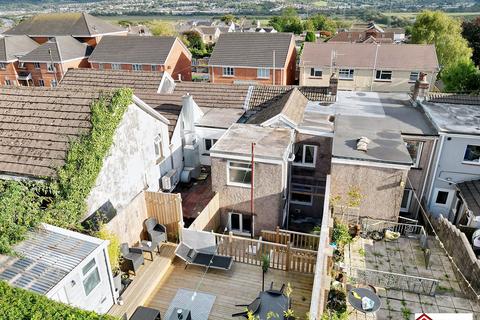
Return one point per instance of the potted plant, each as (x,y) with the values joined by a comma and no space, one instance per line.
(113,255)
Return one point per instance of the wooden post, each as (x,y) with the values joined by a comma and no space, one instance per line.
(287,262)
(277,235)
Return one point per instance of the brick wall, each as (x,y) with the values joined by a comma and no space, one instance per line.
(9,73)
(48,77)
(179,61)
(245,74)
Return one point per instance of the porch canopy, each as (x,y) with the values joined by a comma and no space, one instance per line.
(470,193)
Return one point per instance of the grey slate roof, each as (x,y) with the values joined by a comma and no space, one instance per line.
(133,49)
(438,97)
(36,126)
(63,48)
(12,47)
(470,191)
(46,257)
(251,49)
(64,24)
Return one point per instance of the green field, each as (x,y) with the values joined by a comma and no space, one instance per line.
(413,14)
(263,19)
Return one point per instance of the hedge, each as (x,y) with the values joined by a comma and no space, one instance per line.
(20,304)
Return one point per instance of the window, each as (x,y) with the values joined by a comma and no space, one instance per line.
(301,194)
(406,200)
(472,154)
(21,65)
(41,83)
(136,67)
(154,67)
(158,147)
(115,66)
(36,65)
(240,223)
(383,75)
(442,197)
(305,155)
(50,67)
(345,74)
(101,66)
(316,72)
(91,276)
(8,82)
(228,72)
(414,76)
(3,66)
(263,73)
(415,150)
(53,83)
(209,143)
(239,173)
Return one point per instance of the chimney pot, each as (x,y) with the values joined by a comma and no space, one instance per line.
(420,90)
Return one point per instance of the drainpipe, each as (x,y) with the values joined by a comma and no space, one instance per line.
(273,67)
(374,67)
(252,206)
(430,192)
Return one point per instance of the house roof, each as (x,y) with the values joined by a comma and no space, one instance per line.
(438,97)
(265,94)
(271,143)
(362,56)
(207,30)
(12,47)
(470,191)
(291,105)
(133,49)
(245,49)
(62,48)
(46,256)
(64,24)
(36,126)
(360,36)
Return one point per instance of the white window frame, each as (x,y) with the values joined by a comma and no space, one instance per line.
(101,66)
(154,67)
(469,161)
(212,142)
(416,164)
(263,73)
(313,72)
(3,66)
(88,273)
(228,71)
(8,82)
(382,72)
(230,166)
(116,66)
(158,147)
(241,231)
(416,78)
(351,74)
(307,189)
(303,163)
(36,65)
(51,67)
(53,83)
(41,83)
(409,201)
(21,65)
(449,197)
(137,67)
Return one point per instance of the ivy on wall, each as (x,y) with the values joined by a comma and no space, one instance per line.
(61,201)
(16,304)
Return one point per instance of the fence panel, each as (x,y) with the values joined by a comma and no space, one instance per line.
(209,218)
(167,209)
(296,239)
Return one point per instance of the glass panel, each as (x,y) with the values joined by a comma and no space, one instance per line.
(235,221)
(240,176)
(90,282)
(247,223)
(413,148)
(298,151)
(442,197)
(300,197)
(88,266)
(472,153)
(414,76)
(240,165)
(406,195)
(208,144)
(309,154)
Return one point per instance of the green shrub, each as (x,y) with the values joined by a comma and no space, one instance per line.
(341,236)
(113,247)
(19,304)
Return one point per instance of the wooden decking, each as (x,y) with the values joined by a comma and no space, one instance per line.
(239,285)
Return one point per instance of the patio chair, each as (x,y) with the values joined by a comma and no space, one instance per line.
(252,307)
(198,258)
(156,232)
(133,257)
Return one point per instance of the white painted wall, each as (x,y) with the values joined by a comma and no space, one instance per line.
(131,165)
(207,133)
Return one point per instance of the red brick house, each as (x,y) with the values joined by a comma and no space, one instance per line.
(82,26)
(11,48)
(46,65)
(251,57)
(143,53)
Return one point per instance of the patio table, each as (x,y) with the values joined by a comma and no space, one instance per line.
(150,249)
(272,302)
(364,292)
(180,314)
(144,313)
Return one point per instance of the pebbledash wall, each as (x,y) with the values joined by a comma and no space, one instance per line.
(130,168)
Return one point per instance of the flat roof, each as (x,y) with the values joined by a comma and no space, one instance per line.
(221,118)
(454,118)
(317,119)
(271,143)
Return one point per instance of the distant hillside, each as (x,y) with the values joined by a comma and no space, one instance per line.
(37,2)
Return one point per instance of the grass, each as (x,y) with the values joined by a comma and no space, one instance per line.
(320,4)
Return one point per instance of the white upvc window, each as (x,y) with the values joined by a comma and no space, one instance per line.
(415,150)
(239,173)
(21,65)
(383,75)
(136,67)
(316,72)
(305,155)
(228,72)
(3,66)
(53,83)
(240,223)
(158,145)
(263,73)
(209,143)
(41,83)
(101,66)
(346,74)
(91,276)
(406,200)
(301,194)
(155,67)
(115,66)
(442,197)
(414,76)
(36,65)
(8,82)
(50,67)
(472,154)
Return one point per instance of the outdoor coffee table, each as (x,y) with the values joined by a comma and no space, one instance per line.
(357,303)
(180,314)
(144,313)
(272,303)
(150,249)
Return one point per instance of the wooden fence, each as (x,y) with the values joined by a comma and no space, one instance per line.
(281,256)
(167,209)
(295,239)
(209,218)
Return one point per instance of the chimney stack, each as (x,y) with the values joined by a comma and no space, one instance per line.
(333,84)
(420,90)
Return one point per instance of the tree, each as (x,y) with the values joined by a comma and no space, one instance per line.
(289,21)
(310,37)
(228,18)
(435,27)
(462,76)
(194,42)
(160,28)
(323,23)
(471,32)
